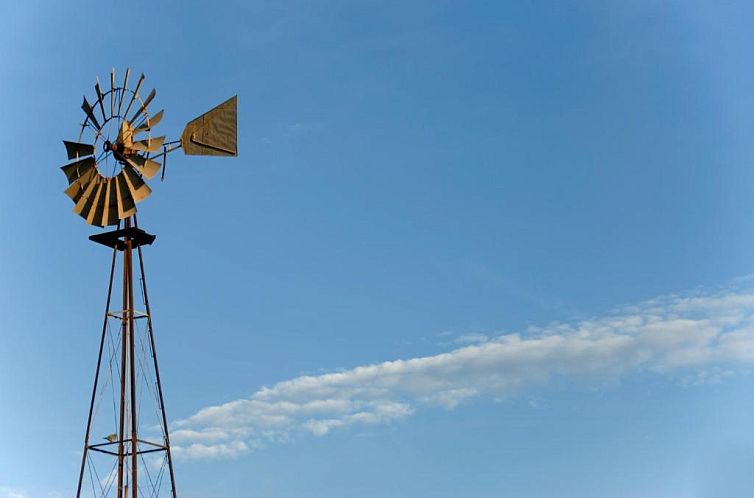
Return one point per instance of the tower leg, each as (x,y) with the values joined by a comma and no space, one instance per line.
(124,326)
(127,258)
(156,368)
(96,375)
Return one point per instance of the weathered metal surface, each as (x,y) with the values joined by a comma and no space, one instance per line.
(214,133)
(76,150)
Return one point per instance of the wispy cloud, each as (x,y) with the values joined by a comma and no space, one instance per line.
(8,492)
(704,336)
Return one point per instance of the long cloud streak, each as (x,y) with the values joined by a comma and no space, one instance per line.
(703,335)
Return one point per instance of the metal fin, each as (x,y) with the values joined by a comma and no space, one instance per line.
(139,189)
(76,150)
(123,90)
(90,113)
(84,204)
(146,167)
(74,170)
(125,134)
(126,204)
(149,122)
(134,95)
(143,106)
(76,189)
(100,99)
(110,212)
(94,217)
(214,133)
(112,92)
(149,144)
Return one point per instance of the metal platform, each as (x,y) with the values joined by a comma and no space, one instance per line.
(117,238)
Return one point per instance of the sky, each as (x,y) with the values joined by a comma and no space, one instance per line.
(472,249)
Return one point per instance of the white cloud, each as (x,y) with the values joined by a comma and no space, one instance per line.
(702,337)
(8,492)
(472,338)
(230,449)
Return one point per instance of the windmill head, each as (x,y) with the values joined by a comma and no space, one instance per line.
(116,152)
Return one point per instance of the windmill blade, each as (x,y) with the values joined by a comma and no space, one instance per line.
(149,144)
(84,204)
(146,167)
(126,204)
(90,113)
(110,213)
(76,150)
(139,189)
(149,122)
(74,170)
(100,99)
(134,94)
(112,92)
(76,189)
(98,205)
(125,134)
(144,105)
(214,133)
(123,90)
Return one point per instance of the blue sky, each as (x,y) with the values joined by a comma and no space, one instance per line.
(470,249)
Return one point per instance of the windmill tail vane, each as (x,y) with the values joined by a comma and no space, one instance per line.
(127,451)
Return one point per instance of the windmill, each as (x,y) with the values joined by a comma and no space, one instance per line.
(129,454)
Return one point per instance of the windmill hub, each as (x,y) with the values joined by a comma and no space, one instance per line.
(119,151)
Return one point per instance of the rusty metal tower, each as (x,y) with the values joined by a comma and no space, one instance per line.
(128,454)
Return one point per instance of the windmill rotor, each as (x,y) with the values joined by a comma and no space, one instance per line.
(116,151)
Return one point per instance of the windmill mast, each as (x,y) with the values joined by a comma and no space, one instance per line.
(130,446)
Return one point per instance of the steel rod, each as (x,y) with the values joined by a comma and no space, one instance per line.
(156,367)
(96,373)
(132,353)
(124,347)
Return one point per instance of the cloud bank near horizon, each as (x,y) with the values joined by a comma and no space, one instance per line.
(8,492)
(706,336)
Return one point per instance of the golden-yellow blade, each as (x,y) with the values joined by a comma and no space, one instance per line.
(126,204)
(146,167)
(139,189)
(76,169)
(125,134)
(214,133)
(94,216)
(143,106)
(77,188)
(84,203)
(149,123)
(149,144)
(110,212)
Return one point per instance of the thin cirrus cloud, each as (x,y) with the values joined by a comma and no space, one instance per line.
(704,336)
